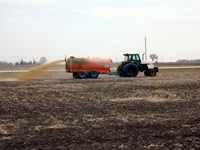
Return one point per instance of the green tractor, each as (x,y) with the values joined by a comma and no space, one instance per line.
(132,64)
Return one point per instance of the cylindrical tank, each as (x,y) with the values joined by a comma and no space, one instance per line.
(88,64)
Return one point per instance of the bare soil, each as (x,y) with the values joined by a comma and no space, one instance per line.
(106,113)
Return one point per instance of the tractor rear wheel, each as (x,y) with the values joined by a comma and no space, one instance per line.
(120,70)
(75,75)
(130,70)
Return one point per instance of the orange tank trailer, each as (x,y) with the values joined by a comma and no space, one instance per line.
(87,67)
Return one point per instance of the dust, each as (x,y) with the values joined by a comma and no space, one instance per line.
(37,70)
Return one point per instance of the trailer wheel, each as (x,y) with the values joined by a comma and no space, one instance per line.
(82,75)
(75,75)
(93,74)
(130,70)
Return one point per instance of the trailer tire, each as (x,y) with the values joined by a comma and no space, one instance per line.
(130,70)
(82,75)
(93,74)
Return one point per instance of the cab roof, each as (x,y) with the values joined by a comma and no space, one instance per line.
(130,54)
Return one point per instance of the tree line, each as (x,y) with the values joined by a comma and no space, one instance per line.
(154,57)
(42,60)
(188,61)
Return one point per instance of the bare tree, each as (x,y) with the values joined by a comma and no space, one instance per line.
(42,60)
(153,57)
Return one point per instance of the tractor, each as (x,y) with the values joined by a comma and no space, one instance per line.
(132,64)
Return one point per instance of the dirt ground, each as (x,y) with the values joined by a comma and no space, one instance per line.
(106,113)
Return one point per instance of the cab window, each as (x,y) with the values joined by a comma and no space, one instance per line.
(133,58)
(126,58)
(137,57)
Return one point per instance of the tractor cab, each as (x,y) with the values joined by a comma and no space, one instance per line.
(132,58)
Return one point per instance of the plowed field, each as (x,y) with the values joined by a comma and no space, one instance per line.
(104,113)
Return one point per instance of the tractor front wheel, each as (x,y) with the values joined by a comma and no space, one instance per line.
(152,72)
(146,73)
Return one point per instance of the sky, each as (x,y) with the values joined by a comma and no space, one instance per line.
(30,29)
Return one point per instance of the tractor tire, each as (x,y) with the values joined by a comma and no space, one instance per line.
(152,72)
(93,74)
(146,73)
(120,70)
(75,75)
(82,75)
(130,70)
